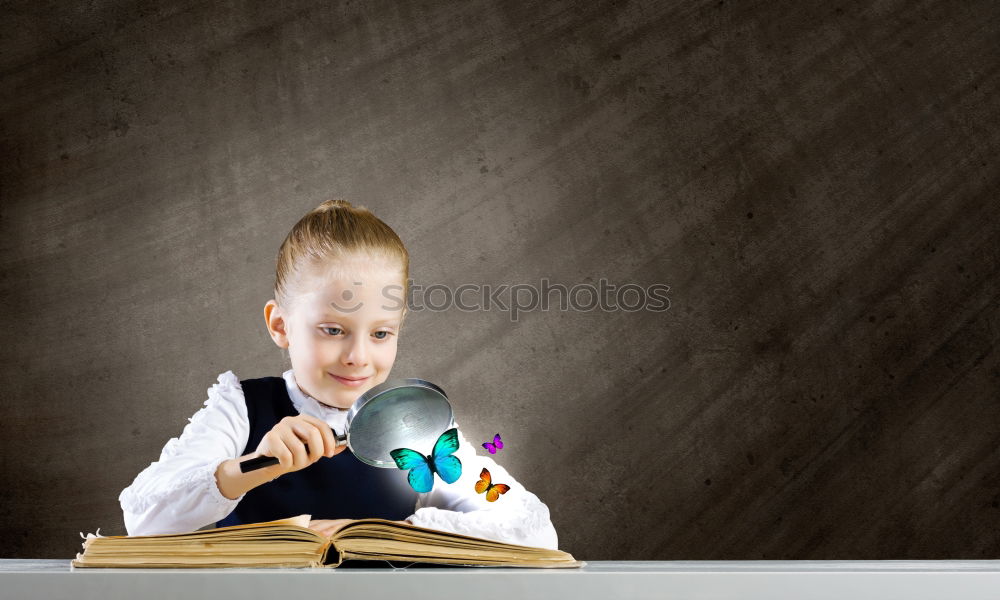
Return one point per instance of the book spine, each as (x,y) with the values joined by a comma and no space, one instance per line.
(332,556)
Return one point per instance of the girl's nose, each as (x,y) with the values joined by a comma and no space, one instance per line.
(356,353)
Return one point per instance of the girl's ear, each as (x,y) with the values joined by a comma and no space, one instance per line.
(274,319)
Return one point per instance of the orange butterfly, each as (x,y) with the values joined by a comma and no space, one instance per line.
(493,490)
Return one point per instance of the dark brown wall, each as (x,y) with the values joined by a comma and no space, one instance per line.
(816,182)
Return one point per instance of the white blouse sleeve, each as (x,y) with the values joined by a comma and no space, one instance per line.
(178,493)
(517,517)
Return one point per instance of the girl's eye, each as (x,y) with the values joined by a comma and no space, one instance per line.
(379,335)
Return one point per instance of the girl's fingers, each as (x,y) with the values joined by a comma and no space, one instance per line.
(299,441)
(294,445)
(275,447)
(329,440)
(312,438)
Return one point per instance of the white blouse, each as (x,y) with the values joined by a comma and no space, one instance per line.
(179,493)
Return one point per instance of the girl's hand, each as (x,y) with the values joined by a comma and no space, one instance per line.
(298,442)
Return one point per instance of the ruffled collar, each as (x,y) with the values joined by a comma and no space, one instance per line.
(306,404)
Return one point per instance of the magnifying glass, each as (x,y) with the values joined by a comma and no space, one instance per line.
(399,413)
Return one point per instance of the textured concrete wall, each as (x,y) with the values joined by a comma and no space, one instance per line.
(816,182)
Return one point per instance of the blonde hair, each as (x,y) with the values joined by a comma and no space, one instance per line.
(336,230)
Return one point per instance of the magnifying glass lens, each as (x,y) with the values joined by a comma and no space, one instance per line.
(409,416)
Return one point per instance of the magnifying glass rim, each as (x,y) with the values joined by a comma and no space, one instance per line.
(378,390)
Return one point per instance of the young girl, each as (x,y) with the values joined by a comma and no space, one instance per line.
(338,307)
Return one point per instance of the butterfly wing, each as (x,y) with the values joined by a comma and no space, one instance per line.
(484,482)
(497,442)
(421,477)
(448,467)
(495,490)
(447,443)
(490,446)
(407,459)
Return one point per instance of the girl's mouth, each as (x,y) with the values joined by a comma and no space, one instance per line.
(350,382)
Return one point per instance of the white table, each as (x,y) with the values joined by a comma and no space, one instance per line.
(752,580)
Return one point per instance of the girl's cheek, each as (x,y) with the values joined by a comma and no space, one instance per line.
(389,355)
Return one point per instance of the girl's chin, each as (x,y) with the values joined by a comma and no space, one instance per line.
(337,406)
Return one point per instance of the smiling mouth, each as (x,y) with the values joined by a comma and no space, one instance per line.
(350,381)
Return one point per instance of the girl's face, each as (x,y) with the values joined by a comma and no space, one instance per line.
(341,326)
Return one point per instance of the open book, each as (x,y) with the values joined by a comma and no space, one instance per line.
(290,543)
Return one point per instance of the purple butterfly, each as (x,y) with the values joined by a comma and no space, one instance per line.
(495,445)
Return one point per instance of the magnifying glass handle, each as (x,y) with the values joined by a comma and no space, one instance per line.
(266,461)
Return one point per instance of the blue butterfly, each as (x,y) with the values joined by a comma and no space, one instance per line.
(422,468)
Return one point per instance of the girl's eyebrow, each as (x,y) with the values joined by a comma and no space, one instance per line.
(347,319)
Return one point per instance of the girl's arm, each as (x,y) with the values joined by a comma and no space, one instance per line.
(179,492)
(517,517)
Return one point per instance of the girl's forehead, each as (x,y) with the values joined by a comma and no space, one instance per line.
(349,278)
(356,307)
(361,294)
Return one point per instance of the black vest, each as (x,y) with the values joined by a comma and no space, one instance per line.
(341,487)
